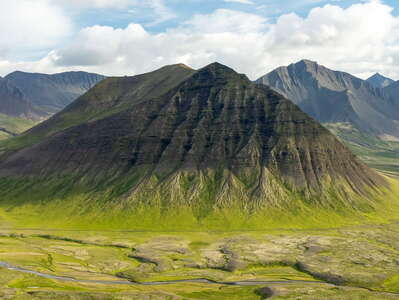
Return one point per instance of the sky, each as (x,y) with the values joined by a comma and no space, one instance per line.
(128,37)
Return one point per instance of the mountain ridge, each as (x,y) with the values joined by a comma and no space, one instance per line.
(14,103)
(380,81)
(52,92)
(317,90)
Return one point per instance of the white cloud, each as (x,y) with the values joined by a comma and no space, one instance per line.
(96,3)
(343,39)
(31,25)
(240,1)
(225,20)
(161,12)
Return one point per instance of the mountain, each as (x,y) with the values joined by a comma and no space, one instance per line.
(51,93)
(392,91)
(14,103)
(186,143)
(337,97)
(379,81)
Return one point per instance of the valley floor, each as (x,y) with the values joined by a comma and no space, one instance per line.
(360,262)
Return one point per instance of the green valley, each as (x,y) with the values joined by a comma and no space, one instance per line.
(378,154)
(195,184)
(360,261)
(12,125)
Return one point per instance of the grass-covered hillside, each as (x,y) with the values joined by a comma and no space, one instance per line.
(378,154)
(10,126)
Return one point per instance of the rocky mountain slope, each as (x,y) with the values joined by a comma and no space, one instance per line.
(379,81)
(392,91)
(51,93)
(178,139)
(337,97)
(14,103)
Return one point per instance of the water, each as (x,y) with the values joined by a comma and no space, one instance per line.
(123,282)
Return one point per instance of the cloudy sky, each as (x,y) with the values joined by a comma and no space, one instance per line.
(127,37)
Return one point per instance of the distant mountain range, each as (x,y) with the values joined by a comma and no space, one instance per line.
(179,140)
(52,93)
(338,97)
(14,103)
(364,114)
(27,98)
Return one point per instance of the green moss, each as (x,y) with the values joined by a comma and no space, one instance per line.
(196,245)
(241,293)
(29,281)
(392,284)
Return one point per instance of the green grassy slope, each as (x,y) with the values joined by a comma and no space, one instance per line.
(185,203)
(378,154)
(14,125)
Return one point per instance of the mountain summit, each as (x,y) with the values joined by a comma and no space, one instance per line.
(379,81)
(178,139)
(336,97)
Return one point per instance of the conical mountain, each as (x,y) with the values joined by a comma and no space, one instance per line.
(178,139)
(379,81)
(337,97)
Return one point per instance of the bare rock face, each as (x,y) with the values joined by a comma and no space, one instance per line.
(337,97)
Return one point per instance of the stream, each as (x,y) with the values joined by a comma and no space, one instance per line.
(123,282)
(269,292)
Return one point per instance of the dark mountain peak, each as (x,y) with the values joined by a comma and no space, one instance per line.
(376,76)
(336,97)
(221,72)
(217,67)
(305,65)
(379,81)
(306,62)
